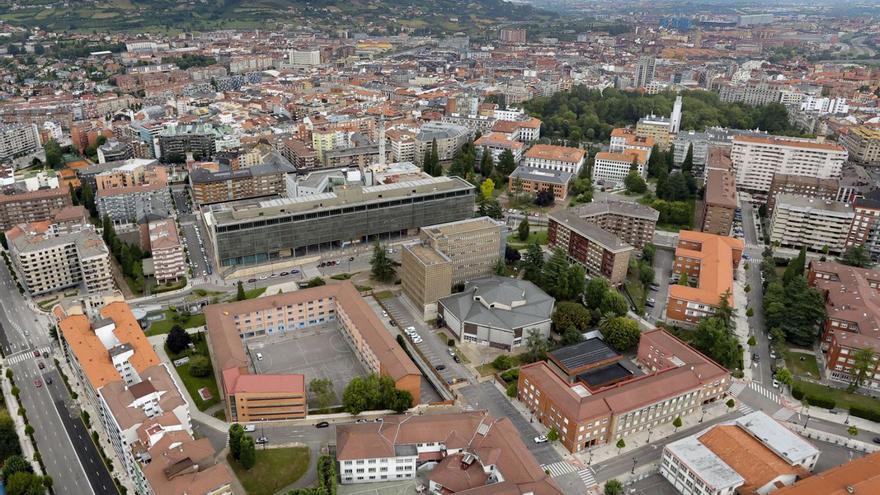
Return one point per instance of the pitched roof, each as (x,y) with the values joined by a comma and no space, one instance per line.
(855,477)
(551,152)
(718,256)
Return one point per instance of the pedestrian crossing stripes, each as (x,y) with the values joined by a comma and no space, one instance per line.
(559,468)
(744,409)
(736,388)
(25,355)
(587,477)
(761,389)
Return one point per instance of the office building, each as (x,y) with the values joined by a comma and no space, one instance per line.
(251,396)
(49,259)
(223,184)
(853,318)
(657,128)
(468,453)
(591,362)
(169,260)
(811,223)
(701,142)
(757,159)
(644,74)
(802,186)
(719,205)
(426,276)
(114,151)
(247,233)
(753,454)
(865,228)
(17,140)
(579,232)
(142,409)
(19,206)
(863,144)
(678,381)
(611,169)
(556,158)
(449,138)
(530,180)
(497,311)
(861,475)
(709,262)
(512,35)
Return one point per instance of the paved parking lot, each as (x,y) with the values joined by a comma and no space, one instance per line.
(317,352)
(663,259)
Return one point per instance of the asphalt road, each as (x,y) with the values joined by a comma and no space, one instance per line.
(73,463)
(761,370)
(663,260)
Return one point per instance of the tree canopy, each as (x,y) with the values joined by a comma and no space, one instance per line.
(372,392)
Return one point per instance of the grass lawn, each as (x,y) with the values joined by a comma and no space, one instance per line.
(194,383)
(806,367)
(842,398)
(221,415)
(637,291)
(164,326)
(169,286)
(274,469)
(539,236)
(254,293)
(384,294)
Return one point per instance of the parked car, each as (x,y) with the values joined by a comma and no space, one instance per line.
(541,439)
(251,280)
(38,383)
(416,339)
(362,420)
(456,358)
(41,365)
(262,440)
(284,274)
(775,383)
(322,424)
(440,367)
(259,356)
(876,439)
(652,300)
(410,330)
(654,287)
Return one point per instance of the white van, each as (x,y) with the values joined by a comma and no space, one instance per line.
(259,356)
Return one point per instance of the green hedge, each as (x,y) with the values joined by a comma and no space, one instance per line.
(823,402)
(869,414)
(797,393)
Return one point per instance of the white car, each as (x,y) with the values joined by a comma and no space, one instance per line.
(541,439)
(259,356)
(410,330)
(417,340)
(775,383)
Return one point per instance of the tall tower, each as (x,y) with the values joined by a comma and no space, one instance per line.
(675,118)
(645,71)
(382,140)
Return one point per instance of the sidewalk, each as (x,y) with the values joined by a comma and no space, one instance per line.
(537,425)
(846,420)
(741,320)
(824,436)
(27,448)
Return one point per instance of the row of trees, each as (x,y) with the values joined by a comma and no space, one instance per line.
(790,304)
(374,392)
(715,335)
(18,477)
(556,276)
(242,447)
(129,256)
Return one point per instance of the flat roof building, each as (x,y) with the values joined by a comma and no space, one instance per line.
(757,159)
(719,203)
(815,224)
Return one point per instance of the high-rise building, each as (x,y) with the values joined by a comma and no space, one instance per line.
(865,228)
(510,35)
(815,224)
(612,168)
(169,260)
(757,159)
(644,71)
(18,140)
(18,206)
(863,144)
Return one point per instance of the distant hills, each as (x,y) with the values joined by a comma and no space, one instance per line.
(378,16)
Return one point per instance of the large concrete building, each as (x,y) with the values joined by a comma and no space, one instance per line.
(757,159)
(863,144)
(754,454)
(169,259)
(498,312)
(659,129)
(253,232)
(142,410)
(426,276)
(806,222)
(49,259)
(853,318)
(556,158)
(449,138)
(804,186)
(17,140)
(18,206)
(200,140)
(252,396)
(865,228)
(222,184)
(709,262)
(644,73)
(719,205)
(610,169)
(678,381)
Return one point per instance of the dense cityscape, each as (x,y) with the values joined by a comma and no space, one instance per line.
(379,247)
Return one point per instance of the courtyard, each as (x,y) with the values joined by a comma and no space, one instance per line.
(319,351)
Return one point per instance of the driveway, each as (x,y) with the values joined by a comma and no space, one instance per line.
(663,260)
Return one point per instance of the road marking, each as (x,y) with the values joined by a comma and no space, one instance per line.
(587,477)
(757,387)
(559,468)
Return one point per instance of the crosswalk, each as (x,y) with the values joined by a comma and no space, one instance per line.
(25,355)
(736,388)
(587,477)
(744,409)
(766,392)
(559,468)
(783,414)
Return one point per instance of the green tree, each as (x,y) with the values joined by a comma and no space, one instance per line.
(436,169)
(15,464)
(568,314)
(554,270)
(750,312)
(248,455)
(646,273)
(864,364)
(712,338)
(613,487)
(315,282)
(199,366)
(614,302)
(533,263)
(795,267)
(25,483)
(506,163)
(634,183)
(511,390)
(372,392)
(177,340)
(8,438)
(571,336)
(687,165)
(857,256)
(595,291)
(648,253)
(487,166)
(236,433)
(724,311)
(553,435)
(620,446)
(536,347)
(853,431)
(54,155)
(730,403)
(381,267)
(523,229)
(677,422)
(502,363)
(490,207)
(322,390)
(784,376)
(487,187)
(240,294)
(621,333)
(751,340)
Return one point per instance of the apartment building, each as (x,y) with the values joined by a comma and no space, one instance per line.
(624,139)
(659,129)
(17,140)
(403,145)
(863,144)
(449,138)
(555,158)
(299,154)
(757,159)
(473,123)
(142,410)
(751,94)
(612,168)
(510,35)
(517,126)
(632,222)
(719,203)
(644,73)
(865,228)
(530,180)
(853,317)
(50,259)
(752,454)
(803,186)
(468,452)
(497,143)
(252,397)
(18,206)
(426,276)
(222,184)
(814,224)
(701,142)
(134,204)
(600,252)
(169,260)
(678,381)
(175,141)
(709,262)
(499,312)
(249,233)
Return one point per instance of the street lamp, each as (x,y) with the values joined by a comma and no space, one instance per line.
(702,413)
(846,421)
(634,467)
(649,435)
